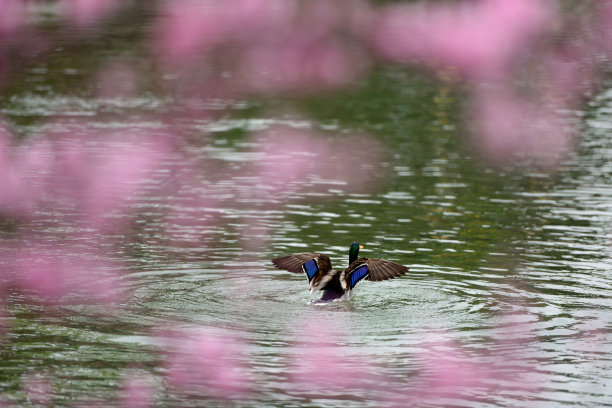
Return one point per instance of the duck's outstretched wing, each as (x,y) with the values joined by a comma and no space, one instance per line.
(376,269)
(293,263)
(381,269)
(315,266)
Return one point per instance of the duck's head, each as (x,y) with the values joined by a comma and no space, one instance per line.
(354,252)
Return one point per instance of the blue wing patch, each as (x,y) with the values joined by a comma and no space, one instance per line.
(357,275)
(311,268)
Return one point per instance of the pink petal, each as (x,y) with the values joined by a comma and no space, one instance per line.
(12,15)
(509,129)
(205,362)
(480,39)
(318,361)
(38,389)
(57,274)
(137,391)
(85,12)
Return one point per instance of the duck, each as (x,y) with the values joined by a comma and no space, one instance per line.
(339,284)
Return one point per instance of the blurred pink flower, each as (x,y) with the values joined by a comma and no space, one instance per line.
(479,39)
(12,15)
(192,206)
(262,46)
(38,389)
(508,128)
(297,62)
(504,362)
(447,372)
(95,176)
(24,170)
(8,183)
(289,163)
(115,177)
(53,272)
(65,190)
(286,155)
(85,12)
(291,159)
(118,80)
(279,164)
(568,74)
(137,391)
(90,176)
(190,27)
(207,363)
(319,362)
(3,315)
(601,27)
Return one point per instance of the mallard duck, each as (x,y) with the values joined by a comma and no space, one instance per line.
(339,284)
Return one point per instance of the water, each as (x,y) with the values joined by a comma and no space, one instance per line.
(509,280)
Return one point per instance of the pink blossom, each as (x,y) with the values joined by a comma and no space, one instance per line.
(96,176)
(118,80)
(83,183)
(3,315)
(38,389)
(319,362)
(137,391)
(115,178)
(447,372)
(190,27)
(192,208)
(207,363)
(601,27)
(480,39)
(9,183)
(286,155)
(59,273)
(568,73)
(85,12)
(280,161)
(24,170)
(12,15)
(292,158)
(263,46)
(300,64)
(76,174)
(508,128)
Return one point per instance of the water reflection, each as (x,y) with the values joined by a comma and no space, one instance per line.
(509,282)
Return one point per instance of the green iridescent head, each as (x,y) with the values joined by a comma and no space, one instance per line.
(354,252)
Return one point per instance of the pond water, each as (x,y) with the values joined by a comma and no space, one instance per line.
(509,280)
